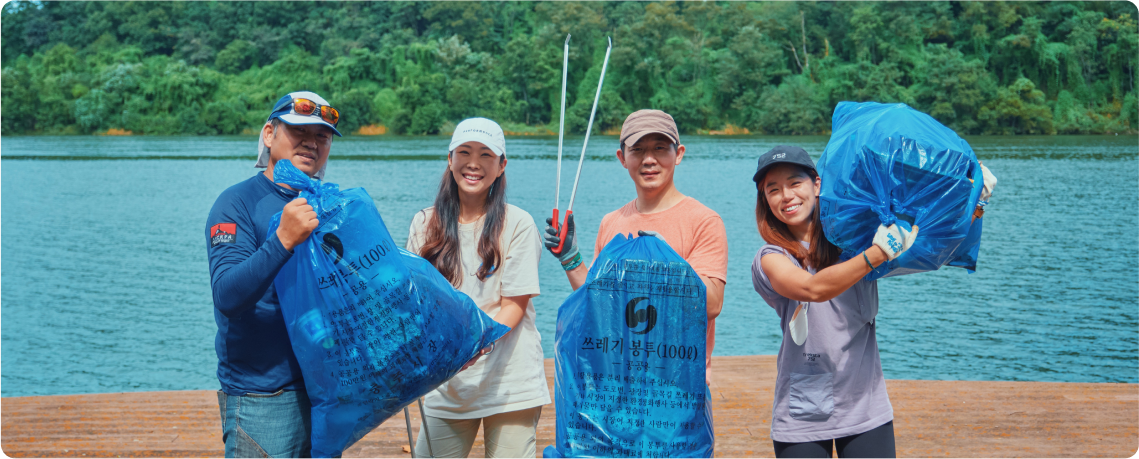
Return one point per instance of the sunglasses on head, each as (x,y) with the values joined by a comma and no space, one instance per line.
(307,107)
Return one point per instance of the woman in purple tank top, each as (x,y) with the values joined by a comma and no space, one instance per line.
(830,389)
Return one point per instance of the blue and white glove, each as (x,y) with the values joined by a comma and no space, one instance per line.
(990,182)
(894,239)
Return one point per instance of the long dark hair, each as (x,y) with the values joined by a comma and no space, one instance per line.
(820,255)
(442,245)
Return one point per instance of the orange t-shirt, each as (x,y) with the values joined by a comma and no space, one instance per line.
(693,230)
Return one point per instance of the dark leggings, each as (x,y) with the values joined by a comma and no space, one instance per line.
(877,442)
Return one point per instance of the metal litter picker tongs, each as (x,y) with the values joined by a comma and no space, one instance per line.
(561,228)
(426,433)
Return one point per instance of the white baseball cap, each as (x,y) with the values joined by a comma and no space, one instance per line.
(284,111)
(480,130)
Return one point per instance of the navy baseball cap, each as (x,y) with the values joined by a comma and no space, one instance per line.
(782,154)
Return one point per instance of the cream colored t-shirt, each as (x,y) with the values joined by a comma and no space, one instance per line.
(513,376)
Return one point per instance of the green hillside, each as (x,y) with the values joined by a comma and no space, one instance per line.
(417,67)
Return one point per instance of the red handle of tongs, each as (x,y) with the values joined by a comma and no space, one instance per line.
(561,229)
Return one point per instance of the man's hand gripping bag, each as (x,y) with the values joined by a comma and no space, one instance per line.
(889,163)
(374,327)
(630,358)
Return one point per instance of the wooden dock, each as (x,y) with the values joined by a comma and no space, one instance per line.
(931,419)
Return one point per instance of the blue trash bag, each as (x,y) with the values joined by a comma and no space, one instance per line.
(889,163)
(374,327)
(630,358)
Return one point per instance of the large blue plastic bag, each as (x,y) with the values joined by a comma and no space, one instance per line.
(889,163)
(630,358)
(374,327)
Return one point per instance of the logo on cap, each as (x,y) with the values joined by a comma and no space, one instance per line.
(779,156)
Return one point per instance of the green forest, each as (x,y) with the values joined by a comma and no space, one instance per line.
(202,68)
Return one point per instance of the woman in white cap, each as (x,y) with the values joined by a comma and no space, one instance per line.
(489,250)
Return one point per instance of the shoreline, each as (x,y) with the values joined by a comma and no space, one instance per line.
(931,419)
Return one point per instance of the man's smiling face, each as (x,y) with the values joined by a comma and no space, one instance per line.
(651,161)
(304,145)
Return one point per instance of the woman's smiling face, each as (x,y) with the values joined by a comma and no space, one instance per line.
(790,193)
(475,167)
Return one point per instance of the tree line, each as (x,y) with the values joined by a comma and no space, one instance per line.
(418,67)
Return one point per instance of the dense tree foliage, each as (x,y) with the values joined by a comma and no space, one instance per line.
(417,67)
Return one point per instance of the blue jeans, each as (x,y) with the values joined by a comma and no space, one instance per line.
(266,425)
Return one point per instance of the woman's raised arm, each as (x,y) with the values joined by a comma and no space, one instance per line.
(800,285)
(797,284)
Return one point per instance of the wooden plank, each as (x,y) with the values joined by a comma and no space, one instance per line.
(932,419)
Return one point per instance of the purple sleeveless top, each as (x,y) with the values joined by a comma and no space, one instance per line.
(831,386)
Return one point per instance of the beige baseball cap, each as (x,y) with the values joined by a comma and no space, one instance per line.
(643,122)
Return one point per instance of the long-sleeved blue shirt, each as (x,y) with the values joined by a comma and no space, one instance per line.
(252,344)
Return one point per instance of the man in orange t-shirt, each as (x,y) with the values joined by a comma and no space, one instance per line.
(650,151)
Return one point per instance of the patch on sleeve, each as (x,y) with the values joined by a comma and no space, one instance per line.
(223,233)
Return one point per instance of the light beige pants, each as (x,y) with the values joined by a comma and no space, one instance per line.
(513,434)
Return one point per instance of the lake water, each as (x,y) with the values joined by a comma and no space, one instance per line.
(106,285)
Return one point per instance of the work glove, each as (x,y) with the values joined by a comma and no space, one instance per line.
(569,256)
(990,182)
(895,239)
(653,234)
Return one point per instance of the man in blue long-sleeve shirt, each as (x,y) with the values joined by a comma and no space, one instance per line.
(263,404)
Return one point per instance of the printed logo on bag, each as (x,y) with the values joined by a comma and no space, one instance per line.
(635,317)
(333,247)
(223,233)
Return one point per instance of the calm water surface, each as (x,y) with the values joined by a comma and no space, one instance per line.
(105,284)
